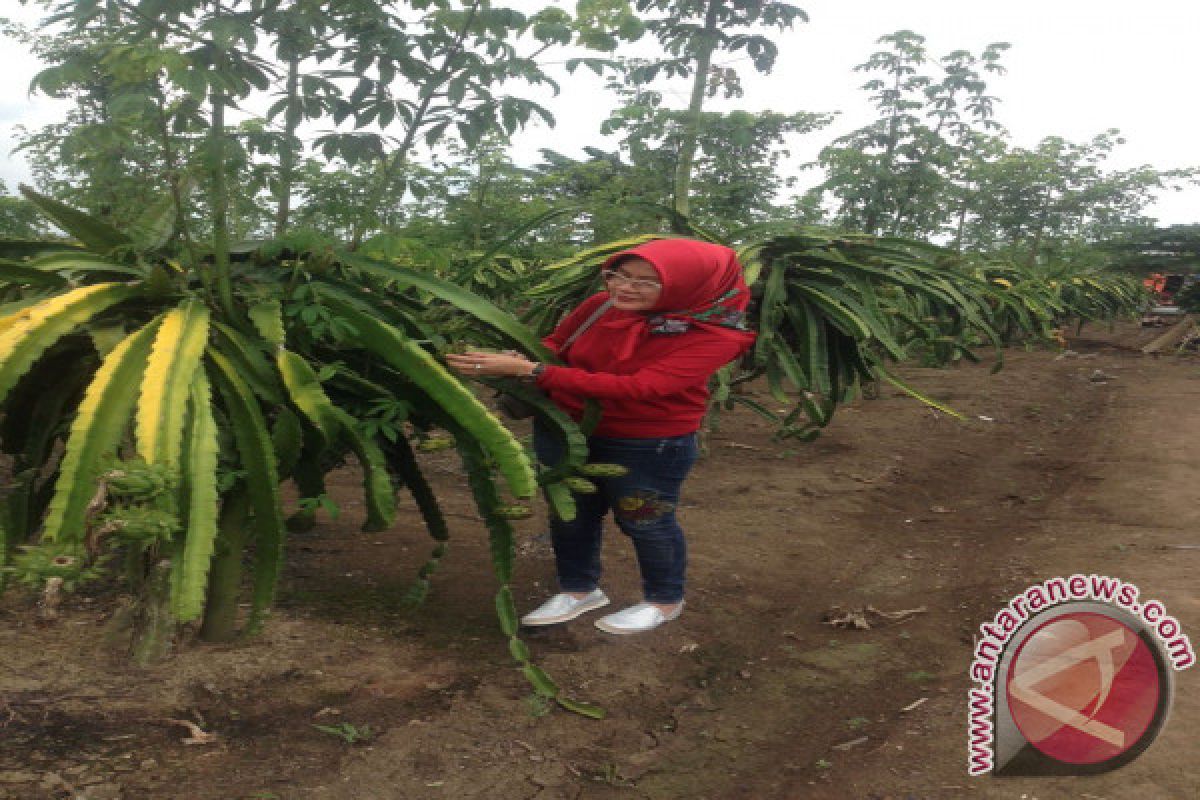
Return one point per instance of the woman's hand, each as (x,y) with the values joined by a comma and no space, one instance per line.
(507,364)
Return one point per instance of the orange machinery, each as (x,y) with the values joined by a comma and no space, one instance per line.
(1164,286)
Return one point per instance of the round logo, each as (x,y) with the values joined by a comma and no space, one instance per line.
(1085,688)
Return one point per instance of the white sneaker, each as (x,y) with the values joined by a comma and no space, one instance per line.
(635,619)
(563,607)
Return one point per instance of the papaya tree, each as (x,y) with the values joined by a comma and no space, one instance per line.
(692,33)
(1033,201)
(894,175)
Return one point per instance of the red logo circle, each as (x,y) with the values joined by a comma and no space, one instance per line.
(1083,688)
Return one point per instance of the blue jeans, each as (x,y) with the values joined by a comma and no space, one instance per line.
(643,503)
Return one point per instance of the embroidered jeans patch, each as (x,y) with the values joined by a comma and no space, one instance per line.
(642,507)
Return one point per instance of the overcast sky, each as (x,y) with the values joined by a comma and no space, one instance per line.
(1076,68)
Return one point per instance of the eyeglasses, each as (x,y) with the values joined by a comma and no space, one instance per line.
(637,284)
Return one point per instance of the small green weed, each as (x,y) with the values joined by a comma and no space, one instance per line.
(537,706)
(348,733)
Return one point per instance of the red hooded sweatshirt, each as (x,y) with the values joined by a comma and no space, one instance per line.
(649,369)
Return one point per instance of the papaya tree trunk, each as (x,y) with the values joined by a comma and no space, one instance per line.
(691,130)
(225,576)
(219,192)
(219,196)
(960,227)
(874,210)
(287,157)
(392,165)
(1043,214)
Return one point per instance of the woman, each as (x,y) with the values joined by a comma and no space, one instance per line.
(675,316)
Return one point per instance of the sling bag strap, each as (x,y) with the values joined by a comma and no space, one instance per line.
(587,323)
(514,406)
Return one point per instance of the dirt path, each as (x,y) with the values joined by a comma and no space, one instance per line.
(748,695)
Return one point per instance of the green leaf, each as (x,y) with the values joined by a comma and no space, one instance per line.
(199,471)
(82,263)
(287,437)
(93,233)
(257,459)
(512,236)
(904,387)
(156,225)
(267,317)
(500,534)
(17,249)
(757,408)
(581,708)
(379,493)
(506,610)
(540,681)
(22,275)
(558,424)
(106,336)
(26,334)
(518,650)
(98,426)
(400,457)
(252,365)
(561,501)
(166,384)
(307,394)
(456,400)
(844,319)
(460,298)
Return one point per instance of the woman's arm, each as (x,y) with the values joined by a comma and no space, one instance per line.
(511,363)
(687,367)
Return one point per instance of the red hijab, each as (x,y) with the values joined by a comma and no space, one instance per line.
(702,285)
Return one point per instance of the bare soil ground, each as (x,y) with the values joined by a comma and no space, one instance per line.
(747,695)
